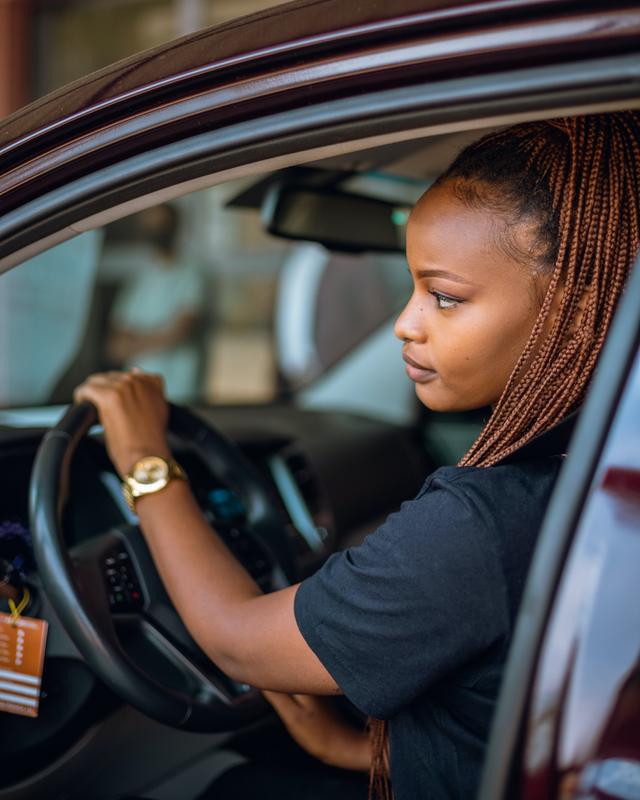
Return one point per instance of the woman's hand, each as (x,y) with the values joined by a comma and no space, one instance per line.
(317,726)
(133,413)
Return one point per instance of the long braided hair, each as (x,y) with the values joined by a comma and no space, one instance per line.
(575,184)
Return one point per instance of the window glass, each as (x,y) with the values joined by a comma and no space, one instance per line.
(194,290)
(44,313)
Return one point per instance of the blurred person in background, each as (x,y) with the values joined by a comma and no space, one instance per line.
(155,320)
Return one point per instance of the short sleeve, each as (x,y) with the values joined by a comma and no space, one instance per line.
(420,597)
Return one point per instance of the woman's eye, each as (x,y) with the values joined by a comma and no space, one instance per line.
(443,301)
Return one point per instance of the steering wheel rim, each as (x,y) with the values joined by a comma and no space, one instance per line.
(74,582)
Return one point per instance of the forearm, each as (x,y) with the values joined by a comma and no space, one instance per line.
(351,751)
(156,340)
(206,583)
(319,727)
(253,637)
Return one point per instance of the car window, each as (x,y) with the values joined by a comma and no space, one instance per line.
(44,310)
(197,291)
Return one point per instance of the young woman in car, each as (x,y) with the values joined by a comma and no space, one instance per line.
(519,254)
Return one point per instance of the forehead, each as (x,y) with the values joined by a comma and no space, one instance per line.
(445,233)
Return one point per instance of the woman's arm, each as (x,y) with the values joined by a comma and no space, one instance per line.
(318,727)
(251,636)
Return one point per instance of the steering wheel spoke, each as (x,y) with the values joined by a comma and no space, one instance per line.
(104,574)
(173,664)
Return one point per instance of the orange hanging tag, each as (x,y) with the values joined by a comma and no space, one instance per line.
(22,643)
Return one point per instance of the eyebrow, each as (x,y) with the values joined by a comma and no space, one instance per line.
(441,273)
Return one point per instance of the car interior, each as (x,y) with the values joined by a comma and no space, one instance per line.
(267,301)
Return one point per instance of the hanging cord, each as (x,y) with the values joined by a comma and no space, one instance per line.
(16,610)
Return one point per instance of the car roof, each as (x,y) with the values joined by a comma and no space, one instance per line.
(304,25)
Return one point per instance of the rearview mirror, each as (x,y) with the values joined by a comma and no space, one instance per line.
(339,220)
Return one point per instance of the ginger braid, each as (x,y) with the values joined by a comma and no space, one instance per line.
(576,183)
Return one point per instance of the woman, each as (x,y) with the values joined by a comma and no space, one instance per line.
(519,254)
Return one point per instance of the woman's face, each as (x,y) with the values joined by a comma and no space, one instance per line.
(472,307)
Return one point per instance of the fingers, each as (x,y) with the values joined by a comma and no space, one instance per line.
(93,389)
(100,387)
(133,413)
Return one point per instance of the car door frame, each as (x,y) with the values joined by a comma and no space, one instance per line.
(504,766)
(311,132)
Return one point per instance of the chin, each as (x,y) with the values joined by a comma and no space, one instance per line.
(436,399)
(433,399)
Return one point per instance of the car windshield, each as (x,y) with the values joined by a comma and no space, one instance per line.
(197,291)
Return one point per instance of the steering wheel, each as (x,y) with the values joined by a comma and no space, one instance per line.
(136,642)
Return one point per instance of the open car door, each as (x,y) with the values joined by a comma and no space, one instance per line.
(568,719)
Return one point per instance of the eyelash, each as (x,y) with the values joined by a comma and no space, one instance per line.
(443,297)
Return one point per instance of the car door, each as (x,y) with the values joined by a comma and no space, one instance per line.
(568,721)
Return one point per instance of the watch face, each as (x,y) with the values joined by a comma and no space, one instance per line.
(150,470)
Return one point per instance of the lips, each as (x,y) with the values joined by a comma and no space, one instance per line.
(418,372)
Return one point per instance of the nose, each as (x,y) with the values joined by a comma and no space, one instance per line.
(410,327)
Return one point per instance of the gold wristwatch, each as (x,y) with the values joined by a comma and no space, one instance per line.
(149,475)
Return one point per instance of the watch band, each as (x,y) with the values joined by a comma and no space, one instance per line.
(133,489)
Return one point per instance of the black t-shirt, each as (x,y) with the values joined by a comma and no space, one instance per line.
(414,623)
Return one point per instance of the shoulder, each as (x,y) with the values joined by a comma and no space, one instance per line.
(504,486)
(497,512)
(519,473)
(470,510)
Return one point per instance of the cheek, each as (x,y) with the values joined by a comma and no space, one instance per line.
(477,351)
(468,343)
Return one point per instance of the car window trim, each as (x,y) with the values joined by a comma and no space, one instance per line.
(612,82)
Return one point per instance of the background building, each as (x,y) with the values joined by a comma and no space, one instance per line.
(45,44)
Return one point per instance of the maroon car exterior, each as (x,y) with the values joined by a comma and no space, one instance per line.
(569,723)
(584,722)
(574,713)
